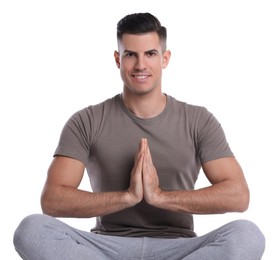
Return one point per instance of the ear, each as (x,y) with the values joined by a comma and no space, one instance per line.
(117,58)
(166,58)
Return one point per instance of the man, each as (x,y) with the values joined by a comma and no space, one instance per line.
(143,151)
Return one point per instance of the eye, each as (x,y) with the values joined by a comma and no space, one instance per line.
(129,54)
(151,53)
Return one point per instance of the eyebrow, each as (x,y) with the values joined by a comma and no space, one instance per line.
(148,51)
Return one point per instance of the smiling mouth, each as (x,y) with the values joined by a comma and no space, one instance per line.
(140,76)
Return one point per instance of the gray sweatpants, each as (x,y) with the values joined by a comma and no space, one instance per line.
(40,237)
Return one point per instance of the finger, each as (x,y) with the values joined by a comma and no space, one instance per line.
(139,161)
(140,150)
(148,155)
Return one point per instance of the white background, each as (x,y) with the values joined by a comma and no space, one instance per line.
(57,57)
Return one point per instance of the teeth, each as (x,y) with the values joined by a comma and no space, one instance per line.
(141,77)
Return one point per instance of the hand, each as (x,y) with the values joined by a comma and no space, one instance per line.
(150,178)
(135,189)
(144,181)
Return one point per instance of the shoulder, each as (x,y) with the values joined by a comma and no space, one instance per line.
(96,111)
(189,110)
(196,117)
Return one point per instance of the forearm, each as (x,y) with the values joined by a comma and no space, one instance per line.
(216,199)
(71,202)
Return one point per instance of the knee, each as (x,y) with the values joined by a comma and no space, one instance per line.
(248,230)
(28,230)
(249,237)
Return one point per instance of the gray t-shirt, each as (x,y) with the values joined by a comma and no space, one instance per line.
(106,136)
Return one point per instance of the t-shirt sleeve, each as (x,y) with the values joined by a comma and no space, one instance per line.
(77,136)
(212,143)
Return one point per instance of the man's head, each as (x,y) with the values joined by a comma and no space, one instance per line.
(142,53)
(142,23)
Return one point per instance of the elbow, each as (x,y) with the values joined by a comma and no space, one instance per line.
(46,209)
(47,206)
(244,205)
(243,200)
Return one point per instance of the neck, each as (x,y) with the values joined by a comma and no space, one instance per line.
(145,106)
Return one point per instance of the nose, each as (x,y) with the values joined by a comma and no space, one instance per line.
(140,63)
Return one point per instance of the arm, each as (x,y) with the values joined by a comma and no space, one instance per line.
(228,191)
(62,198)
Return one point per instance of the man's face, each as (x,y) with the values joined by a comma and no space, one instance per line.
(141,60)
